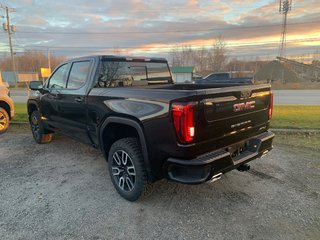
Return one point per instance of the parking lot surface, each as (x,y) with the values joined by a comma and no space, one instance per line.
(62,190)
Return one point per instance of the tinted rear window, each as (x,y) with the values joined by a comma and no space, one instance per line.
(127,74)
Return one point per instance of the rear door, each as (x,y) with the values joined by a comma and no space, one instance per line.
(72,101)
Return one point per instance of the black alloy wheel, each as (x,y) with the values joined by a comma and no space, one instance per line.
(40,135)
(123,170)
(127,169)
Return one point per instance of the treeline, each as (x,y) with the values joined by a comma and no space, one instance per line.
(212,59)
(30,61)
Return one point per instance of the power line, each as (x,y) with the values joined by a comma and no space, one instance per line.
(166,31)
(248,44)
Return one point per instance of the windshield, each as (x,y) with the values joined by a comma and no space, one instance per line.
(125,74)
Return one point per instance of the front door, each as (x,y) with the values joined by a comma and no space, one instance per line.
(51,97)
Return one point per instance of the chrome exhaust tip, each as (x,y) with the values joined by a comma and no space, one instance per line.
(264,153)
(215,178)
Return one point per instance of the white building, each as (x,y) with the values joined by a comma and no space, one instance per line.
(182,74)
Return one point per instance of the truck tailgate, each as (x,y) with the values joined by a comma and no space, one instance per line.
(232,112)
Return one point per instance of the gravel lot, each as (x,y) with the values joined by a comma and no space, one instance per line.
(62,190)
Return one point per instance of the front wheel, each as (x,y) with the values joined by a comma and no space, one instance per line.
(38,131)
(127,169)
(4,120)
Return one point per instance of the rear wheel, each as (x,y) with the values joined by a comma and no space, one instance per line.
(4,120)
(127,170)
(39,133)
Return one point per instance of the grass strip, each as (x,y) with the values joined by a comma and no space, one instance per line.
(296,116)
(21,114)
(284,116)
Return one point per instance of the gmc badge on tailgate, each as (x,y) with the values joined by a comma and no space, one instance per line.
(245,94)
(238,107)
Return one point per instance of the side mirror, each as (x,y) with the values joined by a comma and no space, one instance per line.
(36,85)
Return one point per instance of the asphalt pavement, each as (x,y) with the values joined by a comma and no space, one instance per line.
(62,190)
(296,97)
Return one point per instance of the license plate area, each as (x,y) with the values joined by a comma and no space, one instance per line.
(236,149)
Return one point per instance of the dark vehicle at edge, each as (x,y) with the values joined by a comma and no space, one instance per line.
(149,128)
(224,77)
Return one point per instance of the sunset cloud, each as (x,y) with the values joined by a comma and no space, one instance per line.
(80,27)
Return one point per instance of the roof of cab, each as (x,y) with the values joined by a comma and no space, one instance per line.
(123,58)
(132,58)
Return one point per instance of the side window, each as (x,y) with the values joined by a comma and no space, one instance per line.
(78,74)
(59,78)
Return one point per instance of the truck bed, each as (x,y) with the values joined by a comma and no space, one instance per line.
(217,123)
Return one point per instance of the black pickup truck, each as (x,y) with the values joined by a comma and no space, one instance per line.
(149,128)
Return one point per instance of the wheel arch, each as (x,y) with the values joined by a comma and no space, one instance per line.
(32,106)
(6,106)
(115,128)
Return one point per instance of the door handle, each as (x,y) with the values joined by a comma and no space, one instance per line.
(54,95)
(79,99)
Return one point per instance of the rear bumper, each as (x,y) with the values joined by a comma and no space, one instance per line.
(203,167)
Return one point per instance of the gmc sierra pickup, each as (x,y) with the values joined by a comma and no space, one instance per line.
(149,128)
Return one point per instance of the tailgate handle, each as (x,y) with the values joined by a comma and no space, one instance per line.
(79,99)
(211,101)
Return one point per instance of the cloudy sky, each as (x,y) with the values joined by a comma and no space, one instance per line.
(155,27)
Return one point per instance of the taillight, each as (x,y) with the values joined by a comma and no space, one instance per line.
(183,121)
(271,106)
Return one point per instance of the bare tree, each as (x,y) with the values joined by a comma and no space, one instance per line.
(218,57)
(183,56)
(205,60)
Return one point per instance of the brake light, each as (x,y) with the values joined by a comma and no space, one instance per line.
(271,105)
(138,59)
(183,121)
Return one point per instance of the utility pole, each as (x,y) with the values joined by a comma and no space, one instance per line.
(9,29)
(2,18)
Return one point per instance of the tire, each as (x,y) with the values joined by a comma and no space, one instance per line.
(4,120)
(127,169)
(40,135)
